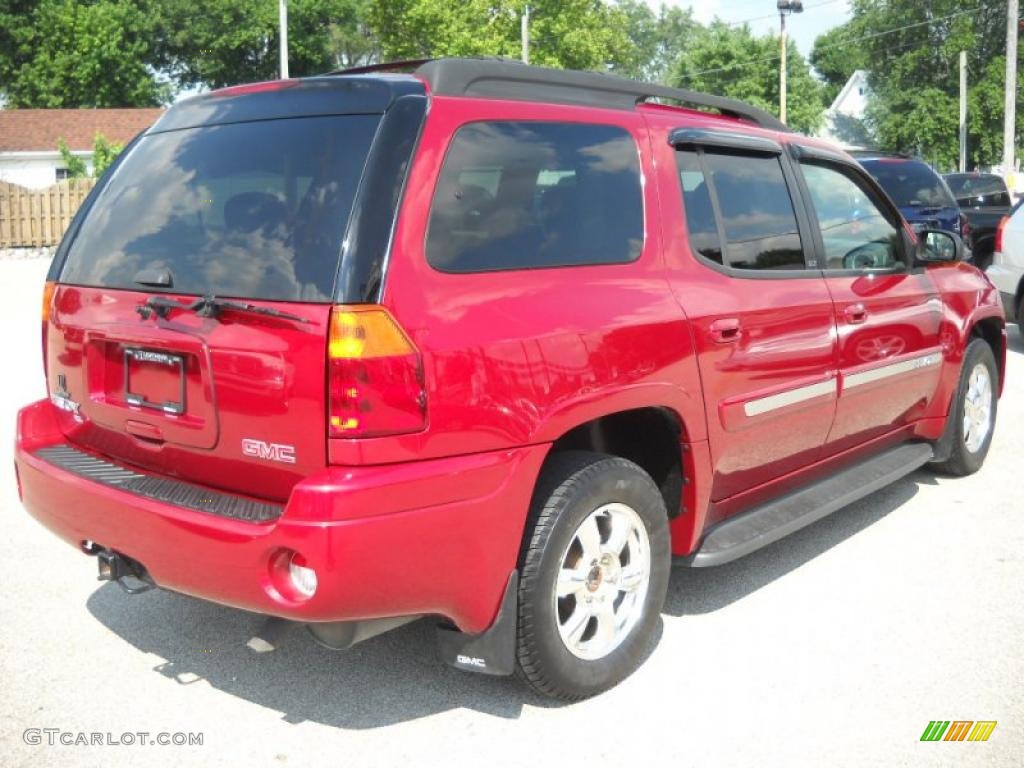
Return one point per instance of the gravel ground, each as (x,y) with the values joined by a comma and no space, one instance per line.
(833,647)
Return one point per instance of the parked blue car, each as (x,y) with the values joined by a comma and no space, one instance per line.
(922,195)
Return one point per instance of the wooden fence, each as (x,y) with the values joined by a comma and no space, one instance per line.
(35,217)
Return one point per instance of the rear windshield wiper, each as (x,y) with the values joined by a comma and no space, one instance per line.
(209,306)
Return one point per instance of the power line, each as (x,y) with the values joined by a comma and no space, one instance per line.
(775,57)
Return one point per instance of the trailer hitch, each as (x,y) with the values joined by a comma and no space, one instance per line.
(113,566)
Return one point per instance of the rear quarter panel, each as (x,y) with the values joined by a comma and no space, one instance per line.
(521,357)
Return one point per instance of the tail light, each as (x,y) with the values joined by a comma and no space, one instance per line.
(999,233)
(48,291)
(375,376)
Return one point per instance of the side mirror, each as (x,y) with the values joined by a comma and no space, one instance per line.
(937,246)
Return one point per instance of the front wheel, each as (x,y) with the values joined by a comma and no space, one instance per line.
(973,411)
(594,572)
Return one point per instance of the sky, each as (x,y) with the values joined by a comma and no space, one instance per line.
(818,16)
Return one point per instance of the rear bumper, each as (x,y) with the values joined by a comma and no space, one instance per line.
(431,537)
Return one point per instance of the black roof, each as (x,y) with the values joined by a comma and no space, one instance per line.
(509,79)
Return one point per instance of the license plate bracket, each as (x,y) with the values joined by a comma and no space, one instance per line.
(141,362)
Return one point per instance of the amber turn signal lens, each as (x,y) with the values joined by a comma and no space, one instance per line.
(363,334)
(48,291)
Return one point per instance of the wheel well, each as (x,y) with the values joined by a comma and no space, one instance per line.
(649,437)
(990,330)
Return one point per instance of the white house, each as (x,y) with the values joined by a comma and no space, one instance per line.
(28,139)
(844,119)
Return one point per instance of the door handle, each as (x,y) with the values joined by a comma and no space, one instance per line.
(855,313)
(725,330)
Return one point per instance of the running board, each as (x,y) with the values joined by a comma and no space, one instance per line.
(751,530)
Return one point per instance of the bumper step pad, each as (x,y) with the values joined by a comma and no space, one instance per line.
(163,489)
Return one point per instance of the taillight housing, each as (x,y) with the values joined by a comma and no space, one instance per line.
(375,383)
(48,291)
(999,233)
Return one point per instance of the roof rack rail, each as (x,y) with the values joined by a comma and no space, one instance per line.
(510,79)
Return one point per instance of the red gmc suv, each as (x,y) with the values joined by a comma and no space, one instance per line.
(491,344)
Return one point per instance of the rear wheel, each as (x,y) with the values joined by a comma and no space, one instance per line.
(594,572)
(973,411)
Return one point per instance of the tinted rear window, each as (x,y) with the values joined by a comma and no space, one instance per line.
(757,212)
(253,210)
(978,190)
(910,183)
(516,195)
(700,211)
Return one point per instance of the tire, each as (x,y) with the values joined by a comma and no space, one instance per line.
(970,441)
(983,260)
(612,608)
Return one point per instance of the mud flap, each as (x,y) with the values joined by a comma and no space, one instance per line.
(943,447)
(492,652)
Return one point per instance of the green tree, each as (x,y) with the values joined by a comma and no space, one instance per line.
(576,34)
(911,51)
(63,53)
(75,165)
(351,41)
(103,154)
(834,60)
(731,61)
(658,40)
(225,42)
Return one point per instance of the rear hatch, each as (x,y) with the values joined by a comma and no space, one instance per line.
(922,196)
(188,330)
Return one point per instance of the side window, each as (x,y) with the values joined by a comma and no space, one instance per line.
(757,212)
(855,232)
(700,213)
(520,195)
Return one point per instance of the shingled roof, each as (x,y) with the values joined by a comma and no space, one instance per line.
(37,130)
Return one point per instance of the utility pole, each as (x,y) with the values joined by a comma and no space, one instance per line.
(782,67)
(524,30)
(282,18)
(1010,116)
(963,111)
(785,8)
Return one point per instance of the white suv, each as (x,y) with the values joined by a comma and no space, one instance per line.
(1007,269)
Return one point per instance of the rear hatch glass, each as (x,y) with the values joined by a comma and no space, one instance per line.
(911,183)
(977,191)
(228,393)
(249,210)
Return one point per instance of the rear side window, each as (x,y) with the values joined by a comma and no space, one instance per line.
(757,215)
(700,212)
(520,195)
(252,210)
